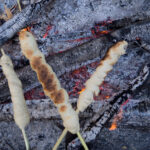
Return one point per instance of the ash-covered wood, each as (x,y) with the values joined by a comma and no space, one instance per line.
(143,44)
(39,109)
(21,20)
(43,110)
(71,22)
(64,26)
(84,54)
(96,123)
(61,63)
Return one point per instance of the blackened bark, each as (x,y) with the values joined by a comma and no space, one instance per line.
(61,63)
(110,108)
(21,20)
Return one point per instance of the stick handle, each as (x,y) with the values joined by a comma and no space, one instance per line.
(82,141)
(65,132)
(60,139)
(25,139)
(18,1)
(62,136)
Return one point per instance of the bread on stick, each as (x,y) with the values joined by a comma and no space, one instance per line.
(49,81)
(105,66)
(21,114)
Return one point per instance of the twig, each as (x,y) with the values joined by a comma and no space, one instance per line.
(60,139)
(25,139)
(82,141)
(20,21)
(63,135)
(111,107)
(18,1)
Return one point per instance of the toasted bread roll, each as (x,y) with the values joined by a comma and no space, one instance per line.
(49,81)
(21,114)
(106,65)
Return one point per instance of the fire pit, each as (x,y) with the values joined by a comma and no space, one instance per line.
(74,36)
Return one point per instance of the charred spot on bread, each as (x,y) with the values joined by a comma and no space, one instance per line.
(36,61)
(100,64)
(49,83)
(29,53)
(63,108)
(59,97)
(107,56)
(42,72)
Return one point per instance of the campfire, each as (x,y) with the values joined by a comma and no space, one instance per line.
(75,38)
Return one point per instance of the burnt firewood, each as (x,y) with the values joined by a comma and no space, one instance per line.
(110,108)
(84,54)
(21,20)
(25,18)
(61,63)
(143,44)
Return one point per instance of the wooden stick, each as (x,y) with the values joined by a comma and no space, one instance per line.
(82,141)
(18,1)
(63,135)
(21,114)
(25,139)
(60,139)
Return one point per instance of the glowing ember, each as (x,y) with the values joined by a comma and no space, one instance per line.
(80,39)
(98,30)
(104,32)
(107,97)
(81,91)
(101,28)
(78,77)
(29,94)
(34,94)
(118,117)
(113,126)
(47,30)
(27,29)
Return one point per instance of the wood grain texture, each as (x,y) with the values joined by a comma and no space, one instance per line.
(20,21)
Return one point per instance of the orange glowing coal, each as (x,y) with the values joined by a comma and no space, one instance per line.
(107,97)
(113,126)
(104,32)
(116,119)
(47,30)
(27,29)
(81,91)
(45,35)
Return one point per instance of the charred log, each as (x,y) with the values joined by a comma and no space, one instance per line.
(21,20)
(143,44)
(111,107)
(79,56)
(61,63)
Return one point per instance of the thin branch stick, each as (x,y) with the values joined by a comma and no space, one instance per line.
(82,141)
(63,135)
(60,139)
(94,126)
(21,20)
(18,1)
(25,139)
